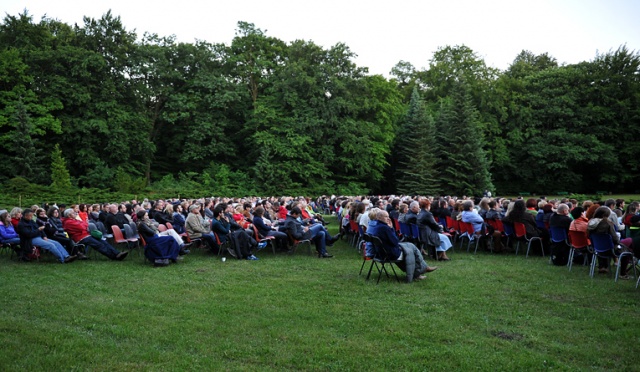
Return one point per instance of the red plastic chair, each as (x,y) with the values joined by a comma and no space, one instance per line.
(268,239)
(579,242)
(521,234)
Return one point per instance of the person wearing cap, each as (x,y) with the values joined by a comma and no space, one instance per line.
(79,232)
(30,235)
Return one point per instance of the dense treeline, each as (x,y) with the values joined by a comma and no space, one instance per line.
(96,106)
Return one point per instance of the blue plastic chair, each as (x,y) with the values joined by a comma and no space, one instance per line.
(602,247)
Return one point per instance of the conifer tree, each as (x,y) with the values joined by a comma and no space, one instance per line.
(416,149)
(463,165)
(60,178)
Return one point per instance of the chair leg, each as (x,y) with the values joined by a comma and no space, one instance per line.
(362,267)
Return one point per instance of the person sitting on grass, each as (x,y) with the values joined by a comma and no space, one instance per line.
(30,235)
(159,249)
(412,261)
(79,231)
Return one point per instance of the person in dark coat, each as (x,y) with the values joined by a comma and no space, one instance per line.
(430,231)
(159,249)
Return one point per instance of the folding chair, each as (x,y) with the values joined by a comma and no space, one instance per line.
(579,242)
(365,257)
(382,258)
(296,243)
(521,234)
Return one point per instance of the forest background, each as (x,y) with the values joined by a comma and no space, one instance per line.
(89,108)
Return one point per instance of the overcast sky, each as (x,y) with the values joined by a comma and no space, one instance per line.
(381,33)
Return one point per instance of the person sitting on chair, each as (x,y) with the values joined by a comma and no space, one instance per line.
(159,249)
(79,232)
(264,230)
(315,233)
(431,232)
(413,263)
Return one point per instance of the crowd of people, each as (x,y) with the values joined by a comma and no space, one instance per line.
(167,228)
(539,217)
(242,226)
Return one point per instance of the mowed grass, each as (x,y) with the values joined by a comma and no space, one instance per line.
(486,312)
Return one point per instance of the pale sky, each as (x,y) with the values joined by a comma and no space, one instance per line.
(380,33)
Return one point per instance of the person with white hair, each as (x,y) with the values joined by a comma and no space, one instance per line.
(412,261)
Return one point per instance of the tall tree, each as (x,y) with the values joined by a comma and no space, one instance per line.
(463,165)
(416,149)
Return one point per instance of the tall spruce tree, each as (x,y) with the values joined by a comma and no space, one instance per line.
(416,149)
(60,178)
(463,165)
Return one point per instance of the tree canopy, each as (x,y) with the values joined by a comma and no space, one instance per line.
(95,105)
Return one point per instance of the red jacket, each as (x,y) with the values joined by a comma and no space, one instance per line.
(77,230)
(282,212)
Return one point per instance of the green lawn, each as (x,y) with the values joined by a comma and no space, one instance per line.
(486,312)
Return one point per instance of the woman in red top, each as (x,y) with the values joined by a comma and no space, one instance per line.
(632,209)
(82,213)
(16,215)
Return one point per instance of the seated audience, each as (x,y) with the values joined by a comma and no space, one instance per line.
(30,235)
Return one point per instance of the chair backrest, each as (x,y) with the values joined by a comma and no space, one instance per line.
(117,234)
(443,222)
(578,239)
(508,228)
(498,225)
(415,231)
(451,223)
(519,229)
(354,226)
(162,228)
(396,225)
(361,229)
(634,231)
(558,234)
(256,233)
(381,251)
(540,221)
(601,242)
(467,226)
(405,229)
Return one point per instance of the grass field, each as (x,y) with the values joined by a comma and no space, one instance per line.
(480,312)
